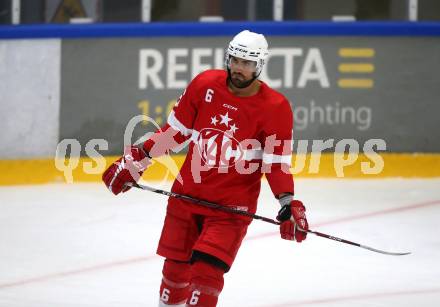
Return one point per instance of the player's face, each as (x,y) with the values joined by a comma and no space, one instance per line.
(242,71)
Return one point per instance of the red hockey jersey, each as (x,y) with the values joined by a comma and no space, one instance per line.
(234,140)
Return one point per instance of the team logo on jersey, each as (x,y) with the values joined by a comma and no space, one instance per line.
(224,120)
(219,148)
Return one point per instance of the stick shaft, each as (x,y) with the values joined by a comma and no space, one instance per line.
(206,203)
(233,210)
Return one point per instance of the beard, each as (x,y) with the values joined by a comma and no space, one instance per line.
(238,80)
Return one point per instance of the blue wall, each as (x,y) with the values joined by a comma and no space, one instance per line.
(220,29)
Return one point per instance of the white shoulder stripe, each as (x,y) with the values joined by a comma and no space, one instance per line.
(177,125)
(271,158)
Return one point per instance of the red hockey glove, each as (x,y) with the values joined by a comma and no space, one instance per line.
(128,168)
(293,218)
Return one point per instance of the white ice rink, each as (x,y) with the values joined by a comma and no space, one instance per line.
(77,245)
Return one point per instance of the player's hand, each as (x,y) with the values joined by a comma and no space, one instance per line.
(293,219)
(128,168)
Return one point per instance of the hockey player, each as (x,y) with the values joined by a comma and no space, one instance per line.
(239,129)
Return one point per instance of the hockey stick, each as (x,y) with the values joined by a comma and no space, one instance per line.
(255,217)
(204,203)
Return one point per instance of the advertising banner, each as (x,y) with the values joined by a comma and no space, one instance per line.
(361,88)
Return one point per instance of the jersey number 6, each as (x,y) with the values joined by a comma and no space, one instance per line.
(194,297)
(209,94)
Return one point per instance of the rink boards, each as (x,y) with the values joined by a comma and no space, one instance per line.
(89,170)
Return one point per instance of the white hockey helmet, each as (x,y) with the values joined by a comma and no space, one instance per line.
(249,46)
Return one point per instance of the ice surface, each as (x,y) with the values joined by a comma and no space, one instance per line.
(78,245)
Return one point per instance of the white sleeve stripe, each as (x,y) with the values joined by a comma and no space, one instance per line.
(252,154)
(271,158)
(195,136)
(176,124)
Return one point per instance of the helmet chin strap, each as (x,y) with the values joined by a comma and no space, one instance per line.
(245,84)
